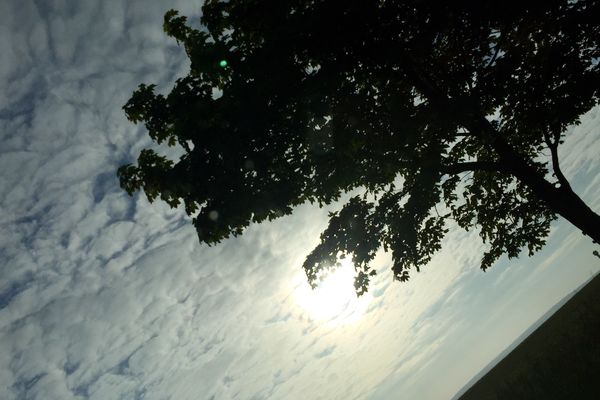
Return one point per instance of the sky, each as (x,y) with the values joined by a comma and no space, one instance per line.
(105,296)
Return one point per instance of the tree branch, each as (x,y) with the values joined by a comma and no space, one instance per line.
(454,169)
(497,50)
(564,202)
(553,146)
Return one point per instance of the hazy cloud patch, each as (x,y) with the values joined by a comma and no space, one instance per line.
(107,296)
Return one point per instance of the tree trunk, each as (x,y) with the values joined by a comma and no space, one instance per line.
(574,210)
(562,200)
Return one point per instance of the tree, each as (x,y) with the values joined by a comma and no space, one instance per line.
(430,111)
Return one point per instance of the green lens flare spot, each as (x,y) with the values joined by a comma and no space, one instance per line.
(223,63)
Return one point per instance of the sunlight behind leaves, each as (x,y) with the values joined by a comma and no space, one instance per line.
(334,300)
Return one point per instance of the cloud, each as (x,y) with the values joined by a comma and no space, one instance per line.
(105,296)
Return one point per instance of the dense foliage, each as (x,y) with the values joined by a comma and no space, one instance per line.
(433,111)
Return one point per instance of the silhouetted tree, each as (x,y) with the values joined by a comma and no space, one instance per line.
(434,110)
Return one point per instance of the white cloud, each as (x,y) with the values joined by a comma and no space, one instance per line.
(105,296)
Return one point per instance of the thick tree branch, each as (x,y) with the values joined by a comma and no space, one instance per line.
(562,201)
(472,166)
(457,168)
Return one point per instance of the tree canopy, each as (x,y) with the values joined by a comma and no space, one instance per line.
(430,110)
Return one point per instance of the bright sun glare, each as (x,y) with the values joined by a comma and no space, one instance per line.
(334,300)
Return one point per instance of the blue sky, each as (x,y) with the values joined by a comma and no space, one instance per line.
(103,296)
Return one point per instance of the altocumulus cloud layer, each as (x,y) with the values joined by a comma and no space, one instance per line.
(103,296)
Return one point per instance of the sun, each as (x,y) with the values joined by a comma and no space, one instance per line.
(334,300)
